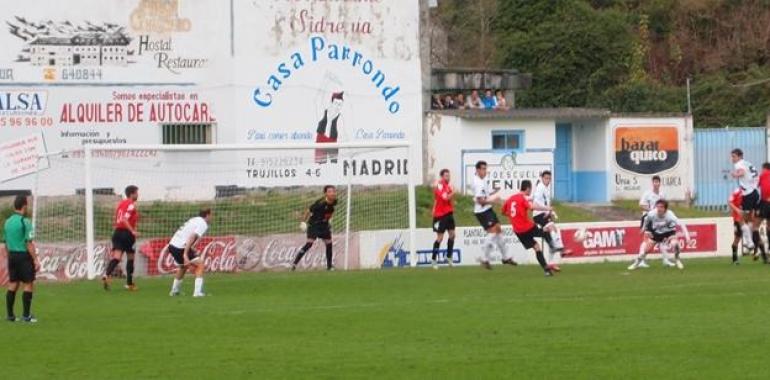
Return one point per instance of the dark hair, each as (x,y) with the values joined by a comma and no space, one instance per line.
(656,178)
(662,202)
(327,187)
(545,173)
(19,202)
(737,152)
(480,164)
(204,212)
(131,190)
(443,171)
(766,165)
(525,185)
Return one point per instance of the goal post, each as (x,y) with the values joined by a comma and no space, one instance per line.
(258,190)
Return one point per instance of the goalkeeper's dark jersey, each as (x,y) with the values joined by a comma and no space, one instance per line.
(320,212)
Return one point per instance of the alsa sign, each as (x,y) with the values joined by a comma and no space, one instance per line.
(23,103)
(646,150)
(611,241)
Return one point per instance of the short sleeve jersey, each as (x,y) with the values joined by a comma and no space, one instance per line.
(126,211)
(541,197)
(748,181)
(516,208)
(17,232)
(649,198)
(481,189)
(442,203)
(194,226)
(321,212)
(660,224)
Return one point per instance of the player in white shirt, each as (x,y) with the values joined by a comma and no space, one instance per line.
(660,228)
(746,175)
(181,247)
(647,204)
(547,219)
(484,198)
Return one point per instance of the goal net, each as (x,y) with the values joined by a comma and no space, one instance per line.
(257,195)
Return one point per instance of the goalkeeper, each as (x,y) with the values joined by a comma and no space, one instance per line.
(315,222)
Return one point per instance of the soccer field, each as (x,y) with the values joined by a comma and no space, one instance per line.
(591,321)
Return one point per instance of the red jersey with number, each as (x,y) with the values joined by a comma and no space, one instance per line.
(764,184)
(516,208)
(736,199)
(126,211)
(442,199)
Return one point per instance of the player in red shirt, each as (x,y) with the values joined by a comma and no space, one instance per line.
(124,238)
(734,202)
(443,217)
(517,208)
(764,208)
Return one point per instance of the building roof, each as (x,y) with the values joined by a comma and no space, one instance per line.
(529,113)
(84,39)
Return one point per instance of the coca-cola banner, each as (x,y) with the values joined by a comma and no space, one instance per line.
(63,262)
(610,241)
(252,254)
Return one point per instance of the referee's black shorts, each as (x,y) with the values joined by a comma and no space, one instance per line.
(21,268)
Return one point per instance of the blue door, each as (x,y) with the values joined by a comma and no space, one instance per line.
(713,183)
(562,164)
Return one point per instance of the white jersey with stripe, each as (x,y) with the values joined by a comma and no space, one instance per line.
(661,224)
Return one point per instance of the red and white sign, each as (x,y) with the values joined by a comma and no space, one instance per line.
(612,241)
(64,262)
(251,254)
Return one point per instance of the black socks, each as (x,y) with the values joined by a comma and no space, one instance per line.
(111,267)
(329,256)
(130,271)
(450,247)
(10,299)
(26,299)
(541,260)
(436,245)
(302,252)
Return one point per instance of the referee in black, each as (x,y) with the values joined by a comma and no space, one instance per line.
(22,259)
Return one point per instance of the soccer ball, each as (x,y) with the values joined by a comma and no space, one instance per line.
(579,235)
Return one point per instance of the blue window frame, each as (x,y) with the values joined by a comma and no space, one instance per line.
(510,140)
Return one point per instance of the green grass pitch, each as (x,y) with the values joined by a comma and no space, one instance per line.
(589,322)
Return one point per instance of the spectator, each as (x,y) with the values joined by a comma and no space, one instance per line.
(474,101)
(435,103)
(489,100)
(460,101)
(449,103)
(502,104)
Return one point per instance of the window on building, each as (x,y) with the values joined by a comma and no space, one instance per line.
(508,140)
(188,134)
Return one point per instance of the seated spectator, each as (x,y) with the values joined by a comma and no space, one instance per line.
(489,100)
(474,101)
(435,102)
(449,103)
(502,104)
(460,101)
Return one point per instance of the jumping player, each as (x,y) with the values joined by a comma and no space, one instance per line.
(734,202)
(517,208)
(443,217)
(315,222)
(547,219)
(484,198)
(124,238)
(764,208)
(746,175)
(18,244)
(182,249)
(660,228)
